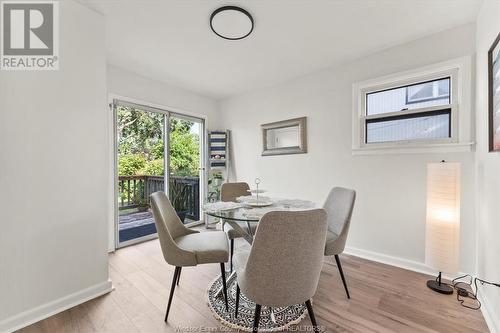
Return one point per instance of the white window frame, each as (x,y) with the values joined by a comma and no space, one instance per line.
(459,72)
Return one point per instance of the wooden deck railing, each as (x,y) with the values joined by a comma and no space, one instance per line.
(134,192)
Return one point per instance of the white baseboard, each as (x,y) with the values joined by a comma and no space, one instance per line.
(492,319)
(46,310)
(411,265)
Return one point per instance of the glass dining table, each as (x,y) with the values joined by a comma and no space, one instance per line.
(242,215)
(233,216)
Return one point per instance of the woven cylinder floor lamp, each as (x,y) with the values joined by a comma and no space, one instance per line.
(442,221)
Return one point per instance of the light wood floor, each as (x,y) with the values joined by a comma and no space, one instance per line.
(383,299)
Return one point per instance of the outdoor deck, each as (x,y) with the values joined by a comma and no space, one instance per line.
(136,219)
(135,225)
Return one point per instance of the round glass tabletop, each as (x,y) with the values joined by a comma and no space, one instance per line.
(247,213)
(236,214)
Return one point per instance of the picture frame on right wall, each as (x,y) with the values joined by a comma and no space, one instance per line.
(494,95)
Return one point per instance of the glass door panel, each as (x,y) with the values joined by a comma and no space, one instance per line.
(185,161)
(140,170)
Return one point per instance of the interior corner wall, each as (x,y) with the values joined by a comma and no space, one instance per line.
(53,176)
(389,216)
(488,170)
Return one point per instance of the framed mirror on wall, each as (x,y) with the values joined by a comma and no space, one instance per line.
(494,95)
(285,137)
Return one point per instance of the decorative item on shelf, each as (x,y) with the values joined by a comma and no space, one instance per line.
(494,95)
(442,222)
(218,148)
(218,162)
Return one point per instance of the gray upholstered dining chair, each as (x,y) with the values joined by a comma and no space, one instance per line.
(284,264)
(182,246)
(229,192)
(339,206)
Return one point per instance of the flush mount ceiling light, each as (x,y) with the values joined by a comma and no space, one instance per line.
(231,22)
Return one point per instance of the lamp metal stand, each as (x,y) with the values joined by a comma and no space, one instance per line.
(439,287)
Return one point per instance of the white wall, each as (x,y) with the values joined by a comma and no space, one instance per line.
(127,84)
(53,175)
(389,217)
(488,170)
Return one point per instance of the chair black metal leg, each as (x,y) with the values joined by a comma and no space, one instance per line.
(232,250)
(172,288)
(339,265)
(223,276)
(237,301)
(256,318)
(179,275)
(311,315)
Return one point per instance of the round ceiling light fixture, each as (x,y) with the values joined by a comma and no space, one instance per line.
(231,22)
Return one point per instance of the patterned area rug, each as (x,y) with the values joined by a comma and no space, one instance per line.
(275,319)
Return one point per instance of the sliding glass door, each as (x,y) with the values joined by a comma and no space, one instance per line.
(185,158)
(156,150)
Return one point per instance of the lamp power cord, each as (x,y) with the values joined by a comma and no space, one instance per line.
(466,291)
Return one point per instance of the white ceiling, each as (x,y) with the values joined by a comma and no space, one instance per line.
(171,40)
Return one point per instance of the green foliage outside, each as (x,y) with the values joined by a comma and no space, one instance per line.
(131,164)
(154,167)
(141,146)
